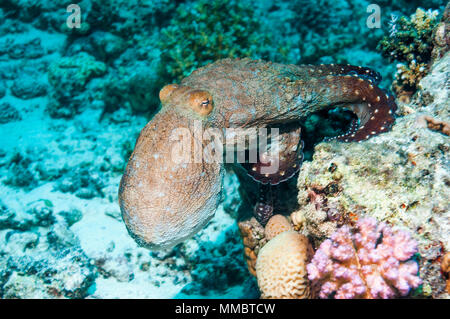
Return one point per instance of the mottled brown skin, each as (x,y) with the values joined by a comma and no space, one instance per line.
(250,93)
(164,203)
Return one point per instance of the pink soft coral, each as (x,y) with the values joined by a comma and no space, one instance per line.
(371,263)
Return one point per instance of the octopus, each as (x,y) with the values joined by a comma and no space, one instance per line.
(164,200)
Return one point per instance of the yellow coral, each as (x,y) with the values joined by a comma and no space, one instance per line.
(276,225)
(409,77)
(423,19)
(281,267)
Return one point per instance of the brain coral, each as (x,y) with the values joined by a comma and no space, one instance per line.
(371,263)
(276,225)
(281,267)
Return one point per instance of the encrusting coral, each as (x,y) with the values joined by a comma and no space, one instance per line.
(435,124)
(281,267)
(373,262)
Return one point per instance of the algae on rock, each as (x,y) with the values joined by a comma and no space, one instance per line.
(68,77)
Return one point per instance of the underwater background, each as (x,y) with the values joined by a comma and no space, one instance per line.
(73,100)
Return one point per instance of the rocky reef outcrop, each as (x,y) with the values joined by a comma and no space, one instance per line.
(401,178)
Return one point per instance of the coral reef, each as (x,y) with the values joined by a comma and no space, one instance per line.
(327,36)
(72,103)
(21,173)
(122,17)
(68,77)
(371,263)
(80,68)
(8,113)
(40,257)
(412,45)
(83,183)
(401,178)
(281,267)
(323,39)
(143,92)
(135,87)
(2,88)
(28,87)
(227,270)
(205,31)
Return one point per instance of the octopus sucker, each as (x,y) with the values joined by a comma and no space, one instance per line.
(286,160)
(233,94)
(263,209)
(374,108)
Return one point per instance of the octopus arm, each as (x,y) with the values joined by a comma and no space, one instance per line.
(345,69)
(275,166)
(374,107)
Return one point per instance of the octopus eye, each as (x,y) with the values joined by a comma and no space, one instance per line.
(201,102)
